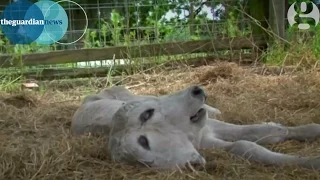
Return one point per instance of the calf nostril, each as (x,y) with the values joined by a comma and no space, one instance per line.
(196,91)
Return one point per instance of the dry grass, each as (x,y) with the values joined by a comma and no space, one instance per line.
(35,139)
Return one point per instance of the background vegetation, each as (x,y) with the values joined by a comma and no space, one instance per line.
(143,22)
(36,142)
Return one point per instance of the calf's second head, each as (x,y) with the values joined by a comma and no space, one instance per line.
(146,131)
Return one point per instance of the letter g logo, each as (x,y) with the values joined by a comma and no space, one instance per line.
(314,14)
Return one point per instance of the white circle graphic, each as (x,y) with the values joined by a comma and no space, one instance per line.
(85,14)
(52,36)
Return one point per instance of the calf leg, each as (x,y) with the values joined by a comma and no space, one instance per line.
(268,133)
(256,153)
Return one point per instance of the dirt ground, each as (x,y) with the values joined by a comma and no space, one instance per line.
(36,143)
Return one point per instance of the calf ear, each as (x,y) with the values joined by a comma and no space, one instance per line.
(116,92)
(212,111)
(91,98)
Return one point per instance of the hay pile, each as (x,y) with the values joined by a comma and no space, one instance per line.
(36,143)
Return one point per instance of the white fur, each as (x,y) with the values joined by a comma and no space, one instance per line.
(212,111)
(173,139)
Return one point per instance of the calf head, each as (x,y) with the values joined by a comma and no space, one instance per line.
(156,131)
(185,110)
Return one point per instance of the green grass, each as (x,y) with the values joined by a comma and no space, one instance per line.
(301,51)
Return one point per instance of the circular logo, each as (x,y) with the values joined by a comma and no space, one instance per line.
(292,13)
(44,22)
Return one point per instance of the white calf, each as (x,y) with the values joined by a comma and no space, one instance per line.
(166,131)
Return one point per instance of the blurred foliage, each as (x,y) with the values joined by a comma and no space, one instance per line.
(142,22)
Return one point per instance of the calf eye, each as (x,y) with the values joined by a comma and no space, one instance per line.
(146,115)
(143,141)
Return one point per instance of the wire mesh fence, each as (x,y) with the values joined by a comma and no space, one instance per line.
(120,23)
(111,23)
(114,23)
(104,23)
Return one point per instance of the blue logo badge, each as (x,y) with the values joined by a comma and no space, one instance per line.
(44,22)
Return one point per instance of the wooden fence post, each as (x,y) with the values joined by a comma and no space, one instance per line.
(258,10)
(191,17)
(277,14)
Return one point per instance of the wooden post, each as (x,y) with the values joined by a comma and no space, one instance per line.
(258,9)
(277,14)
(191,17)
(126,4)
